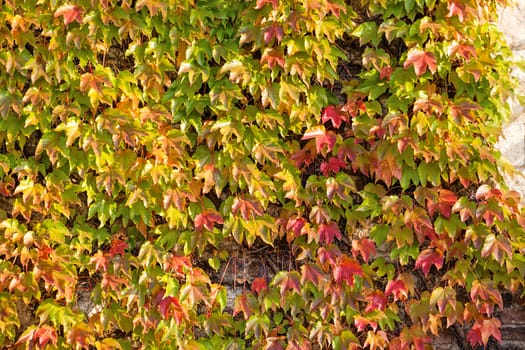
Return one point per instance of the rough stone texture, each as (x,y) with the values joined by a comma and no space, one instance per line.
(512,144)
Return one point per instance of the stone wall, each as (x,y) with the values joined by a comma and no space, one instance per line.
(512,144)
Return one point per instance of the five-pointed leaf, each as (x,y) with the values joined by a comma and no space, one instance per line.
(427,258)
(421,61)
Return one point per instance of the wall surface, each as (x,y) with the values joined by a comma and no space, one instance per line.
(512,144)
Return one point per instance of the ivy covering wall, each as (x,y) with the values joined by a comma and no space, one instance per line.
(347,147)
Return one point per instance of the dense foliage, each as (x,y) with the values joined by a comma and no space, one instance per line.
(237,174)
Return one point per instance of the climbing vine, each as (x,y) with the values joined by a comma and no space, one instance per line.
(267,174)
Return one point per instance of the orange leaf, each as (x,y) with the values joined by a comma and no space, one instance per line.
(421,61)
(482,331)
(346,269)
(427,258)
(259,284)
(398,289)
(70,13)
(207,219)
(365,247)
(327,232)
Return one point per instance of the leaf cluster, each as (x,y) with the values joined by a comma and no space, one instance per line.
(150,149)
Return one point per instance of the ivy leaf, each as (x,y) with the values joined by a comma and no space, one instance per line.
(346,269)
(272,57)
(485,290)
(456,9)
(361,323)
(81,334)
(70,13)
(445,201)
(41,335)
(398,289)
(333,114)
(295,227)
(117,247)
(275,30)
(327,232)
(260,4)
(421,61)
(376,301)
(311,273)
(287,280)
(482,331)
(377,340)
(153,6)
(427,258)
(100,260)
(443,297)
(335,8)
(322,138)
(259,284)
(245,303)
(248,208)
(496,246)
(333,164)
(208,219)
(365,247)
(112,282)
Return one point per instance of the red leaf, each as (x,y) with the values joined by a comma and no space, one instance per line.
(273,31)
(376,301)
(427,258)
(333,164)
(385,73)
(327,232)
(328,255)
(249,208)
(244,303)
(333,114)
(259,284)
(496,246)
(322,138)
(481,332)
(177,264)
(261,3)
(112,282)
(465,51)
(421,61)
(311,273)
(365,247)
(165,304)
(354,105)
(335,8)
(346,269)
(456,9)
(70,13)
(207,219)
(446,200)
(100,260)
(117,247)
(287,281)
(43,335)
(81,334)
(294,226)
(398,289)
(272,57)
(487,292)
(305,155)
(361,323)
(46,334)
